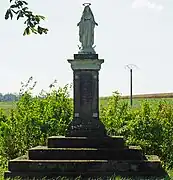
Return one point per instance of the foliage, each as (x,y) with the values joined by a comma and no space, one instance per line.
(148,125)
(32,21)
(33,120)
(115,115)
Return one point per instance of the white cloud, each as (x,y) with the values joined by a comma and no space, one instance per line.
(147,4)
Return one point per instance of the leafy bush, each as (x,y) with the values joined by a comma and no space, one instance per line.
(150,126)
(116,115)
(33,120)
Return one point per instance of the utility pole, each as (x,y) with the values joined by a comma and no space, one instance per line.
(131,87)
(131,67)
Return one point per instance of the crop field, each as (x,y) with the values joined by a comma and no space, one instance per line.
(137,100)
(7,106)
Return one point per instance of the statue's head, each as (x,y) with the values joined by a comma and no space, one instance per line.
(87,13)
(87,8)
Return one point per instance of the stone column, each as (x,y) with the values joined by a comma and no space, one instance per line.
(86,121)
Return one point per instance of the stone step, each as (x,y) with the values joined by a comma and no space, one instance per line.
(159,175)
(84,142)
(44,153)
(22,164)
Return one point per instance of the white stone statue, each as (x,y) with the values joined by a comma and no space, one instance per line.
(86,30)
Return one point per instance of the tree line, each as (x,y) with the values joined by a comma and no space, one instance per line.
(9,97)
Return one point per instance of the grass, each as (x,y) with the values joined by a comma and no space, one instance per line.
(137,102)
(7,106)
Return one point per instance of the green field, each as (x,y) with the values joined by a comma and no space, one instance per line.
(137,102)
(7,106)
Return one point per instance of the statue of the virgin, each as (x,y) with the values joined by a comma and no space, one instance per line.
(86,30)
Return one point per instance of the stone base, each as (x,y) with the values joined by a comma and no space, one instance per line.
(85,56)
(89,50)
(86,175)
(93,128)
(85,168)
(56,161)
(128,153)
(85,142)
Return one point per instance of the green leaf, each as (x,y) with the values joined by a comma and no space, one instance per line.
(27,31)
(33,30)
(20,3)
(30,24)
(13,6)
(37,18)
(39,29)
(42,30)
(7,14)
(25,2)
(45,30)
(41,17)
(20,15)
(11,14)
(25,8)
(14,11)
(32,21)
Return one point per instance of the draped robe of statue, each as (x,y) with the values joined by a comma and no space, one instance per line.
(86,31)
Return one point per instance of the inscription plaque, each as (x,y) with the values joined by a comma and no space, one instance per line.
(86,88)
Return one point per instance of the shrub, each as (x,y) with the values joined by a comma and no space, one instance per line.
(150,125)
(33,120)
(116,115)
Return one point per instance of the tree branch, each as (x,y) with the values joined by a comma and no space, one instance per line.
(20,9)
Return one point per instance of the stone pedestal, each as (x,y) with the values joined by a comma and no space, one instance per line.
(86,121)
(89,158)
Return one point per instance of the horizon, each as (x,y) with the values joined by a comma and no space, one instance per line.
(133,32)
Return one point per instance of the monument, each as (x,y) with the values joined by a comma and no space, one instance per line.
(86,150)
(86,66)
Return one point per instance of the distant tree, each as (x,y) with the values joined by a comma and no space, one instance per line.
(1,97)
(20,9)
(9,97)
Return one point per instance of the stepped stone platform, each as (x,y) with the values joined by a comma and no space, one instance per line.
(86,157)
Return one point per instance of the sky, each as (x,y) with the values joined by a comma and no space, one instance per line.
(136,32)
